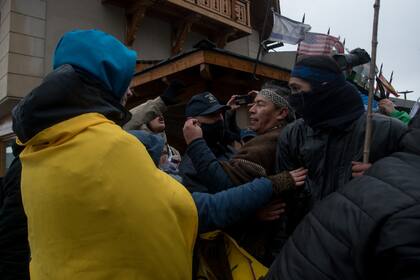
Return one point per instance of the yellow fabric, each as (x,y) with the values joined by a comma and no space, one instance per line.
(243,265)
(98,208)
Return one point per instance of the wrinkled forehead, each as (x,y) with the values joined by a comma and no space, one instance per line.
(261,98)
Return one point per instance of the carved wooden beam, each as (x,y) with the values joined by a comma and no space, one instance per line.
(221,39)
(205,72)
(134,14)
(180,33)
(233,10)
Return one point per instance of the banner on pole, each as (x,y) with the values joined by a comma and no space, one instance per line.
(287,30)
(320,44)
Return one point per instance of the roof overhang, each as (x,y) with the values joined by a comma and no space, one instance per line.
(216,57)
(221,72)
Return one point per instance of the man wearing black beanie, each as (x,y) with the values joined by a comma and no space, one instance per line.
(328,139)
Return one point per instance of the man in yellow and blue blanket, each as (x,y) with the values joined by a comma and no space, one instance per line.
(97,206)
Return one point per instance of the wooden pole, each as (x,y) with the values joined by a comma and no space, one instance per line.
(368,135)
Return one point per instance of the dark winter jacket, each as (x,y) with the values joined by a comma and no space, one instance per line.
(328,154)
(368,229)
(261,239)
(191,178)
(255,159)
(14,246)
(79,93)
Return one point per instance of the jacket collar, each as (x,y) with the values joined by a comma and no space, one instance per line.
(64,94)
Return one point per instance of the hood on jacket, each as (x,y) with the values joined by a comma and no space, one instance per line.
(101,55)
(153,143)
(65,93)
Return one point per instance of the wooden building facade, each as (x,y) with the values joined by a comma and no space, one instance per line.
(171,38)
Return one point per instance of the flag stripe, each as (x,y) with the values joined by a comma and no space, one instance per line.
(319,44)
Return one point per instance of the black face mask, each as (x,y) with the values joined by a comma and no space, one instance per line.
(305,104)
(328,107)
(297,102)
(213,133)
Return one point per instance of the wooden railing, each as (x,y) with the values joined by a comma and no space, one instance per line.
(236,10)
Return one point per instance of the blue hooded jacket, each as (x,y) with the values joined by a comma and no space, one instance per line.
(153,143)
(101,55)
(225,208)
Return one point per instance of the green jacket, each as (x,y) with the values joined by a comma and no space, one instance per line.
(401,115)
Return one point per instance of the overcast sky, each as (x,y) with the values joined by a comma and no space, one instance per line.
(398,33)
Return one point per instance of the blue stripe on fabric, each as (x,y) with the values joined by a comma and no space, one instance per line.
(311,73)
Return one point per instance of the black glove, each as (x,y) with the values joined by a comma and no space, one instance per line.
(171,92)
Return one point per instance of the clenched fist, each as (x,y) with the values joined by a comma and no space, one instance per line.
(192,130)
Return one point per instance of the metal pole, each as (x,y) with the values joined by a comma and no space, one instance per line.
(405,93)
(260,43)
(368,135)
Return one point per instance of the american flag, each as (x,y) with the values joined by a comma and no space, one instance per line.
(319,44)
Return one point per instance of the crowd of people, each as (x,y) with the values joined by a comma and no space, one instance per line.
(98,192)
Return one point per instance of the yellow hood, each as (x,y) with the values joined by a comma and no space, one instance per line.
(98,208)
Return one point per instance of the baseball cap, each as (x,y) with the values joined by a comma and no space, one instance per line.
(203,104)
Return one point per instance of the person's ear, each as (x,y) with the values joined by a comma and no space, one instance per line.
(282,114)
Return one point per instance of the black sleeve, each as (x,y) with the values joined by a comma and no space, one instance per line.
(287,151)
(14,246)
(398,247)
